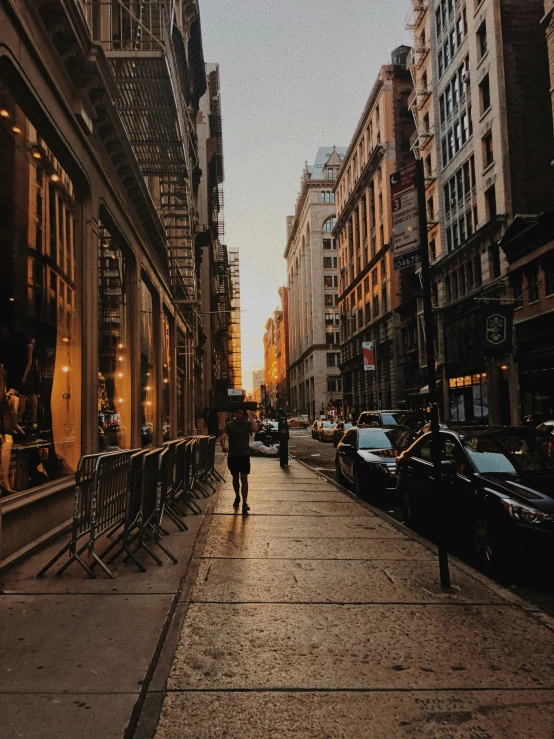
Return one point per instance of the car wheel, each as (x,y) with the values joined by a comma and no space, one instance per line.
(484,544)
(407,508)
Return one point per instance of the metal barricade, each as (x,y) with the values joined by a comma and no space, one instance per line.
(174,480)
(213,474)
(84,483)
(109,498)
(200,463)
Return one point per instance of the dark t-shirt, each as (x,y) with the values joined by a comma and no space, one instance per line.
(239,438)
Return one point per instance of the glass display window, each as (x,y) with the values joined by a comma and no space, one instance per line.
(147,366)
(114,367)
(167,350)
(40,383)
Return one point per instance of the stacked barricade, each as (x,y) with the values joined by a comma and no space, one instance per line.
(124,495)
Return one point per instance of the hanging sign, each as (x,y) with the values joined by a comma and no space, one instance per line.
(368,353)
(496,328)
(405,217)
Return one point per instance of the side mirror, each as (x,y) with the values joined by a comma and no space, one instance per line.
(448,469)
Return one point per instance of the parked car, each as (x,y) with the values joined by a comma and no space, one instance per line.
(304,421)
(381,419)
(340,429)
(326,431)
(366,457)
(498,487)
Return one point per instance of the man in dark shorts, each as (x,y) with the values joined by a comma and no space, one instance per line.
(238,461)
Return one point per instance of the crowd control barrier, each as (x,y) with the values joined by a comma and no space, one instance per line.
(124,495)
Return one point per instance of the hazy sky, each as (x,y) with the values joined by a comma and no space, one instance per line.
(295,75)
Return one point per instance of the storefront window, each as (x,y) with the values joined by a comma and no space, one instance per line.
(147,366)
(39,326)
(181,378)
(166,374)
(469,398)
(114,376)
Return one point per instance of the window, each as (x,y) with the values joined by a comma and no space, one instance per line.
(329,319)
(485,95)
(328,299)
(114,379)
(327,262)
(331,359)
(366,285)
(438,21)
(482,39)
(384,303)
(328,281)
(375,306)
(490,199)
(533,282)
(374,277)
(477,271)
(469,276)
(494,260)
(488,156)
(328,244)
(148,377)
(330,174)
(329,224)
(39,348)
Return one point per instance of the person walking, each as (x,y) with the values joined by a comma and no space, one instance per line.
(238,432)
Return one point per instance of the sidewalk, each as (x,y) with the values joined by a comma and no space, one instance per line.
(317,617)
(313,617)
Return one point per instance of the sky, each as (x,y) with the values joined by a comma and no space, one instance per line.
(295,75)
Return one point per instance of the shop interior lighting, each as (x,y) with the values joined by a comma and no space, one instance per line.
(4,113)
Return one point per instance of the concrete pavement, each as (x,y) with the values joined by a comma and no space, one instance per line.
(316,616)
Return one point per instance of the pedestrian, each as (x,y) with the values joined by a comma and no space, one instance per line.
(238,432)
(283,440)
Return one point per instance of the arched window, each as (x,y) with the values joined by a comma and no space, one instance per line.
(329,224)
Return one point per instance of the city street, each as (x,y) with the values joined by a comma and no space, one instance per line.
(534,583)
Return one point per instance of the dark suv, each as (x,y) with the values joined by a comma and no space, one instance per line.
(497,488)
(381,419)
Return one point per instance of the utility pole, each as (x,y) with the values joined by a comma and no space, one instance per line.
(432,376)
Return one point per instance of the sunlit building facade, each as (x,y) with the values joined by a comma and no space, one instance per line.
(314,376)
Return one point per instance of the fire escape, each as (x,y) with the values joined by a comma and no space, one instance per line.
(138,38)
(421,92)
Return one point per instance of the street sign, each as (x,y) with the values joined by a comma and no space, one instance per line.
(368,353)
(407,260)
(405,215)
(234,393)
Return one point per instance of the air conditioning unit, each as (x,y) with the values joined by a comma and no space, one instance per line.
(466,76)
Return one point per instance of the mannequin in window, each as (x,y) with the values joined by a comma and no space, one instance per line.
(30,383)
(6,440)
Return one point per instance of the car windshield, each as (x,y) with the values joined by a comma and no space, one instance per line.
(511,453)
(329,425)
(391,419)
(381,439)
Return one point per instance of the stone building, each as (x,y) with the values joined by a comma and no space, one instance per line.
(276,356)
(314,375)
(492,126)
(370,290)
(99,271)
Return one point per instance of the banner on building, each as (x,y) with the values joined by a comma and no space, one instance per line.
(368,353)
(496,328)
(405,217)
